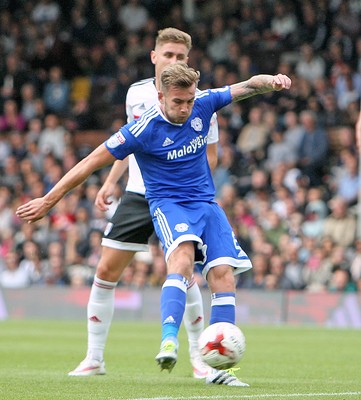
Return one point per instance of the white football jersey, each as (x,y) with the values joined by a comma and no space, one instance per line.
(141,96)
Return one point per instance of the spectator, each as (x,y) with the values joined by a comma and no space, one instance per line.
(11,176)
(82,31)
(279,152)
(315,213)
(80,117)
(339,258)
(158,272)
(227,199)
(313,148)
(259,243)
(40,62)
(52,173)
(12,119)
(274,228)
(13,276)
(45,11)
(53,137)
(259,191)
(283,25)
(332,115)
(340,225)
(56,94)
(253,136)
(313,29)
(245,28)
(310,66)
(317,270)
(243,219)
(294,268)
(62,219)
(56,273)
(341,281)
(293,131)
(33,152)
(12,77)
(32,262)
(220,38)
(347,87)
(276,279)
(338,37)
(28,101)
(89,249)
(256,279)
(347,20)
(346,181)
(133,16)
(222,174)
(18,146)
(261,29)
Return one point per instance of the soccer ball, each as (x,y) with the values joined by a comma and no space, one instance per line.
(222,345)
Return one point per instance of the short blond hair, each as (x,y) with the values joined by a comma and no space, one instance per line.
(178,75)
(173,35)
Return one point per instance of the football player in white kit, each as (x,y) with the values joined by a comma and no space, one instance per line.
(131,227)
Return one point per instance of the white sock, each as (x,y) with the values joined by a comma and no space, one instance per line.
(193,315)
(100,315)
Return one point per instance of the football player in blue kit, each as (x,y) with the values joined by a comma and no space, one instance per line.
(169,143)
(130,227)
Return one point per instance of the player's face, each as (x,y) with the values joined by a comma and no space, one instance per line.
(168,53)
(177,103)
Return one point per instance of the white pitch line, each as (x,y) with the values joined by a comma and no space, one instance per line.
(255,396)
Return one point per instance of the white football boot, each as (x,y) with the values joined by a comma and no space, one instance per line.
(200,369)
(89,367)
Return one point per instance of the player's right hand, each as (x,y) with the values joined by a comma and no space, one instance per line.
(102,200)
(33,210)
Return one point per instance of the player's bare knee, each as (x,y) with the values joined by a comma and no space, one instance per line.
(181,260)
(108,272)
(221,279)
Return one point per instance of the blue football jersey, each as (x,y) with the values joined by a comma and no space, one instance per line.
(172,157)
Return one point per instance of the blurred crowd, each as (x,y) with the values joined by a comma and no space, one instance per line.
(288,171)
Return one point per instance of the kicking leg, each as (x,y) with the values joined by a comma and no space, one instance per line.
(223,309)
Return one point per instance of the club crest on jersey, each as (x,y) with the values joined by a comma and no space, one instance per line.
(181,227)
(115,140)
(197,124)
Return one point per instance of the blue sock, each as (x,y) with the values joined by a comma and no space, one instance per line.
(172,304)
(223,307)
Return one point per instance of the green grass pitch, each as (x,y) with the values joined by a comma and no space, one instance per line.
(280,363)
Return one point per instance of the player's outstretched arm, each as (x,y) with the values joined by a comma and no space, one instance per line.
(358,132)
(259,84)
(37,208)
(107,190)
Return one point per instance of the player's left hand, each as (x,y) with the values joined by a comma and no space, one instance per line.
(33,210)
(280,82)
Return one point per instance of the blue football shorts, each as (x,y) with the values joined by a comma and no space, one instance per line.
(204,223)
